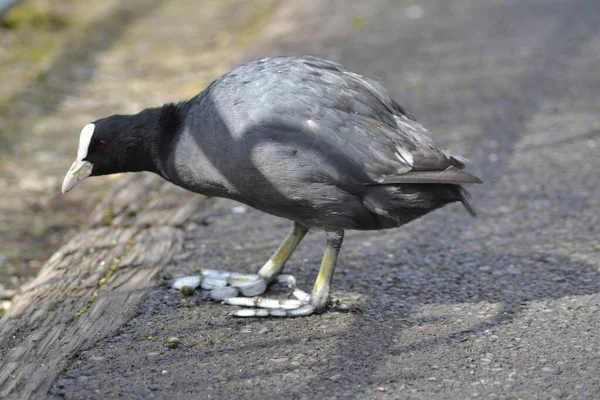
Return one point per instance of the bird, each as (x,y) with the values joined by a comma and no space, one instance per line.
(298,137)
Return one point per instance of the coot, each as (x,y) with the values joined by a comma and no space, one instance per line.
(298,137)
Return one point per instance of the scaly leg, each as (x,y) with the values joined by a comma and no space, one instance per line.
(274,266)
(223,284)
(304,304)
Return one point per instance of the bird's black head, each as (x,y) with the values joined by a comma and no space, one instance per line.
(117,144)
(121,143)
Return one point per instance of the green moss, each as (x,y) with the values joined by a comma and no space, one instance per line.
(34,16)
(337,303)
(87,305)
(108,217)
(187,291)
(114,265)
(359,21)
(130,243)
(111,270)
(38,51)
(173,342)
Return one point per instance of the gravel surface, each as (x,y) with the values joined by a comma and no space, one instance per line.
(504,306)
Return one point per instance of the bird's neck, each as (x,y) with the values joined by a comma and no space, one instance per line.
(161,126)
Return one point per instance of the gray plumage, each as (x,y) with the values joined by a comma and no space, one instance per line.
(307,140)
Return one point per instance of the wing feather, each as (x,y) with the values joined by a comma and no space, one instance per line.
(450,175)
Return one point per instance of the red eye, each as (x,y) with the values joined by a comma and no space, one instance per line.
(102,144)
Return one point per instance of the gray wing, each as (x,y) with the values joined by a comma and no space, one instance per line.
(345,123)
(360,118)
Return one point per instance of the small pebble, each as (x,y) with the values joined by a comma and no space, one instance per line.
(173,342)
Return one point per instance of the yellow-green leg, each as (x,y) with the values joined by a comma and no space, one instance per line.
(255,285)
(320,293)
(275,265)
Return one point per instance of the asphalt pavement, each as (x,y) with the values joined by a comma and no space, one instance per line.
(503,306)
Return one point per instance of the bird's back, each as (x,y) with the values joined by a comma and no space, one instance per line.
(302,137)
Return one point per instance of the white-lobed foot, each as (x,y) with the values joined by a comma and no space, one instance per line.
(227,286)
(245,289)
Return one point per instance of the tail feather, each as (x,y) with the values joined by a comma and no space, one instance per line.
(450,175)
(465,199)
